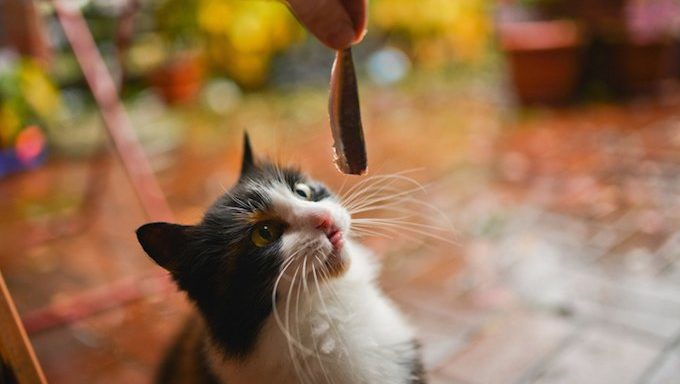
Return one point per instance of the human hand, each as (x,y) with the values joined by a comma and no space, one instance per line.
(336,23)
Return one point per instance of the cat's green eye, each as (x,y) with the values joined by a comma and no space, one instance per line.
(265,233)
(303,190)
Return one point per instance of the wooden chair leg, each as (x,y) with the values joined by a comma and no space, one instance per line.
(15,349)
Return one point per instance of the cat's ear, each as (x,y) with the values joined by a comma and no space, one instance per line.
(164,242)
(248,161)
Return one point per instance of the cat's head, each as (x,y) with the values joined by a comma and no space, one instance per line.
(274,223)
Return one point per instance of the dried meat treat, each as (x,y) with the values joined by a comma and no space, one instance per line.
(345,116)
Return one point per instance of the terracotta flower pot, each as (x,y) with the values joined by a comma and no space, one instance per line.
(543,59)
(179,80)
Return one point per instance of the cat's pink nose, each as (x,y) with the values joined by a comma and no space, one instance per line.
(323,221)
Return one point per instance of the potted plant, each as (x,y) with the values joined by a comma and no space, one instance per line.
(543,50)
(179,77)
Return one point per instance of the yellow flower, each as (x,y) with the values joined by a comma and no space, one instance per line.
(249,33)
(250,70)
(214,16)
(242,36)
(39,92)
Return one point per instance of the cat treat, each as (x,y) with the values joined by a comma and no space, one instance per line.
(345,116)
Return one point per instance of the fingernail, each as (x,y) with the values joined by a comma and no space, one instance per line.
(360,36)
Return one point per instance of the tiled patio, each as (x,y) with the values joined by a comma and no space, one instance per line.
(568,224)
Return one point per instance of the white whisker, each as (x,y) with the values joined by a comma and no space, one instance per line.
(417,231)
(379,178)
(277,317)
(291,341)
(400,220)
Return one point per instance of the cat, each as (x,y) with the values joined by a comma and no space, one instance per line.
(283,293)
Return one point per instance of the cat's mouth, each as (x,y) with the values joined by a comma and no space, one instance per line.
(336,262)
(336,238)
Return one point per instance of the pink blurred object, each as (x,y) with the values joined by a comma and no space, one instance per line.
(30,144)
(29,151)
(536,35)
(652,20)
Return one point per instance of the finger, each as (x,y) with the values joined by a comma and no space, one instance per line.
(327,20)
(356,9)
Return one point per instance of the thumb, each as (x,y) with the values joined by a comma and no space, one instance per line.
(356,9)
(328,20)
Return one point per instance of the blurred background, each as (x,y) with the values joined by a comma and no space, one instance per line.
(546,132)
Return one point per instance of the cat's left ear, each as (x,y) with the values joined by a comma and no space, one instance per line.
(165,243)
(248,160)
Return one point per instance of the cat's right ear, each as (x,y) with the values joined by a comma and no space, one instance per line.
(165,243)
(248,160)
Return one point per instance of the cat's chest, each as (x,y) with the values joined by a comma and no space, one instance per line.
(349,337)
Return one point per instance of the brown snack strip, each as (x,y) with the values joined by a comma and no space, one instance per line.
(345,116)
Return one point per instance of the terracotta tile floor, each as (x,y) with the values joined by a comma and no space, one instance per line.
(567,229)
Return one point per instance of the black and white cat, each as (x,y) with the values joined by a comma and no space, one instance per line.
(284,295)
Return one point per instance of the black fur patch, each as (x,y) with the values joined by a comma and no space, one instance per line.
(186,361)
(229,278)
